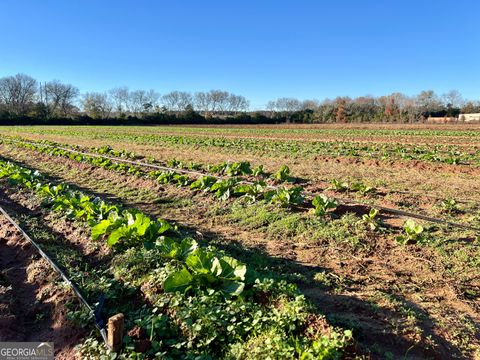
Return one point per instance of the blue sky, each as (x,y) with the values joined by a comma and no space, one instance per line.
(261,49)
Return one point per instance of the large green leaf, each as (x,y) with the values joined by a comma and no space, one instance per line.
(200,261)
(142,223)
(178,281)
(234,288)
(100,229)
(163,227)
(123,232)
(169,247)
(232,269)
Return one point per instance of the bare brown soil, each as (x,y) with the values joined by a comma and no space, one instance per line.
(32,306)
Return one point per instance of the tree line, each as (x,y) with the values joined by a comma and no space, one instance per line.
(25,100)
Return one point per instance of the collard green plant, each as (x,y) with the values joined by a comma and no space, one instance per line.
(203,183)
(238,168)
(283,174)
(175,249)
(285,197)
(132,228)
(259,171)
(205,269)
(251,191)
(413,233)
(449,205)
(370,220)
(339,186)
(224,188)
(361,188)
(323,203)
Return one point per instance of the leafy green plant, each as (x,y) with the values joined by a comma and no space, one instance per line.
(205,269)
(259,171)
(232,168)
(285,197)
(283,174)
(166,177)
(224,188)
(174,163)
(370,220)
(173,249)
(251,191)
(203,183)
(323,203)
(194,166)
(238,168)
(361,188)
(414,233)
(449,205)
(132,228)
(339,186)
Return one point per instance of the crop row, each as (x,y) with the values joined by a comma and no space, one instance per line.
(449,154)
(222,188)
(231,186)
(263,187)
(264,131)
(207,304)
(241,169)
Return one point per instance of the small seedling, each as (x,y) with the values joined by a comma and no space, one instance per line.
(339,186)
(449,205)
(413,233)
(361,188)
(322,204)
(283,174)
(370,219)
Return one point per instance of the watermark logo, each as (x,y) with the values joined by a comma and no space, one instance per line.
(26,351)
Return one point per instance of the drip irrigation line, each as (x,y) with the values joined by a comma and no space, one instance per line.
(406,214)
(198,173)
(184,171)
(99,323)
(138,163)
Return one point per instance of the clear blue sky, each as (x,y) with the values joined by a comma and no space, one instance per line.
(262,49)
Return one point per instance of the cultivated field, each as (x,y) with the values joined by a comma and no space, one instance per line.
(246,242)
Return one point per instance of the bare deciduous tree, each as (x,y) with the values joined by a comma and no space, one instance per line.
(97,105)
(59,98)
(286,104)
(203,102)
(453,99)
(219,100)
(237,103)
(310,104)
(177,100)
(18,93)
(121,99)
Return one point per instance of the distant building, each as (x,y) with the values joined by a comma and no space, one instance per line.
(441,120)
(469,117)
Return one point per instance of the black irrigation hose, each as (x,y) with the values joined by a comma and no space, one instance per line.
(197,173)
(409,214)
(99,323)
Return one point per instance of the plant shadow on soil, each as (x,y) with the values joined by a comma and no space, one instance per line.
(370,327)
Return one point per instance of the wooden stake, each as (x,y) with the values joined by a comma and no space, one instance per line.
(115,332)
